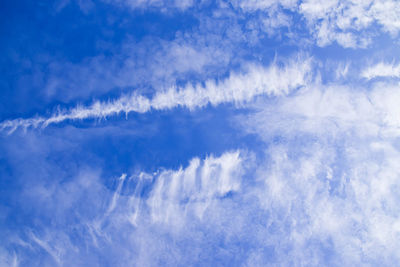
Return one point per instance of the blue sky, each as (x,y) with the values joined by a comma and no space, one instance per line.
(199,133)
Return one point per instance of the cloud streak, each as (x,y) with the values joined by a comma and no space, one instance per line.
(142,205)
(238,88)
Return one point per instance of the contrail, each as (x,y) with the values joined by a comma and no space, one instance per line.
(237,88)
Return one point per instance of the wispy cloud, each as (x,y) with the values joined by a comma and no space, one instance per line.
(191,191)
(331,172)
(45,246)
(381,69)
(306,174)
(239,87)
(349,23)
(130,215)
(163,5)
(329,111)
(323,187)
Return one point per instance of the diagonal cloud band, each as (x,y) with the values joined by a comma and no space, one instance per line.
(274,80)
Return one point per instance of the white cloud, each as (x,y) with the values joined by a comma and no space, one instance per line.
(276,20)
(237,88)
(349,23)
(331,176)
(352,214)
(252,5)
(149,63)
(119,224)
(8,259)
(342,70)
(387,13)
(381,69)
(162,5)
(53,252)
(327,111)
(191,191)
(325,192)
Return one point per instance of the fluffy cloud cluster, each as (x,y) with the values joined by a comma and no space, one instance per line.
(351,23)
(346,21)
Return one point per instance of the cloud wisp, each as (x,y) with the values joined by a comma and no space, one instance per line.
(238,88)
(129,215)
(381,70)
(326,184)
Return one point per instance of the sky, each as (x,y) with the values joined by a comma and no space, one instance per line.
(200,133)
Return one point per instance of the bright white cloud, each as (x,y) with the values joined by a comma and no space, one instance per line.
(321,188)
(381,69)
(342,201)
(162,5)
(327,111)
(251,5)
(149,63)
(342,70)
(237,88)
(168,201)
(331,177)
(191,191)
(349,23)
